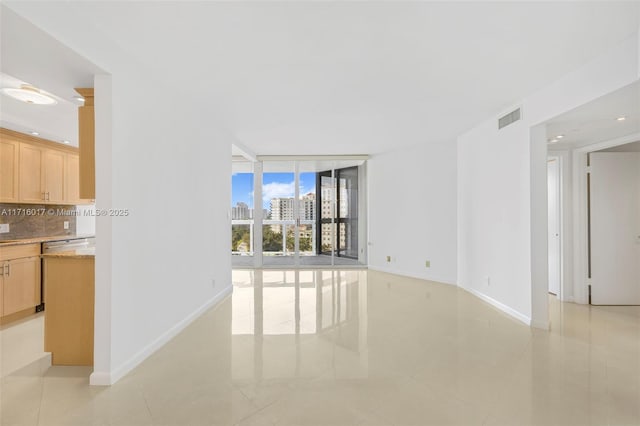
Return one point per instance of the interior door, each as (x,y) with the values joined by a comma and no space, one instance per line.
(615,228)
(553,235)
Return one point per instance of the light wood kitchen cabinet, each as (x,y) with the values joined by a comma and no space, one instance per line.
(53,175)
(69,313)
(9,154)
(37,171)
(86,142)
(72,179)
(30,174)
(19,278)
(42,174)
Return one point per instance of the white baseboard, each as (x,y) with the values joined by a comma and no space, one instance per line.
(100,378)
(501,306)
(440,280)
(543,325)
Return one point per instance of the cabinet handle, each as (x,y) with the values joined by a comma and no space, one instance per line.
(8,269)
(48,196)
(44,196)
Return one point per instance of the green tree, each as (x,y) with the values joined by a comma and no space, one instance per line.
(271,241)
(239,234)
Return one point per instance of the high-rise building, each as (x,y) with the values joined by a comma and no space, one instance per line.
(241,211)
(308,206)
(281,209)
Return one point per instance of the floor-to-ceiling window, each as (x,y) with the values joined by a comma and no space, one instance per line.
(242,213)
(308,213)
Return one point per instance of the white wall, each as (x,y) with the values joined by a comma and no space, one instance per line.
(501,188)
(493,214)
(412,205)
(170,167)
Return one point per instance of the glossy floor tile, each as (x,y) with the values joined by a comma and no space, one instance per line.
(21,343)
(322,347)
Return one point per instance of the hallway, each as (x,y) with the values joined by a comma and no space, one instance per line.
(354,347)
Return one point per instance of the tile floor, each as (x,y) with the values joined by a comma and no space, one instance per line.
(21,343)
(357,348)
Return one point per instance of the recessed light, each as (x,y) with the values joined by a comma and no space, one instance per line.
(559,136)
(621,118)
(553,140)
(79,98)
(29,94)
(65,141)
(35,133)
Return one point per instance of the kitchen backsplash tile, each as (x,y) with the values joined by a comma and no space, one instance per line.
(36,220)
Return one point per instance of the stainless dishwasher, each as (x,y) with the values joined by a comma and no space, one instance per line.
(66,245)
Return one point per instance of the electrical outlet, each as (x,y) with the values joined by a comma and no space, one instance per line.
(4,228)
(66,224)
(427,264)
(388,258)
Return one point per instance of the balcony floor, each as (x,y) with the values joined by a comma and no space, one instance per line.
(240,262)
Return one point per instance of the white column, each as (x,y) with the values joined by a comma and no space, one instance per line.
(257,214)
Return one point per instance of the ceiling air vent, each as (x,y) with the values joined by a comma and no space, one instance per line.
(512,117)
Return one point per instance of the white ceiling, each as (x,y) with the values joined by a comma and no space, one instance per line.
(30,56)
(57,122)
(597,121)
(343,77)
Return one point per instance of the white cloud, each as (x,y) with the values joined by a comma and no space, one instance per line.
(277,190)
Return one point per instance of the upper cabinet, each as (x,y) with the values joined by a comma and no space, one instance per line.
(37,171)
(9,154)
(53,175)
(30,175)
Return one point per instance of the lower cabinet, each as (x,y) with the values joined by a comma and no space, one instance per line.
(19,278)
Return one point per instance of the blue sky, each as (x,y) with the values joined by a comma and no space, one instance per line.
(274,185)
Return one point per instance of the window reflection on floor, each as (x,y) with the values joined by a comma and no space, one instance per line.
(274,311)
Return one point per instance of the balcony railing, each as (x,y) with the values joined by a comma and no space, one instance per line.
(278,237)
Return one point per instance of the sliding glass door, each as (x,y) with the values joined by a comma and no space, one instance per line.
(337,234)
(347,212)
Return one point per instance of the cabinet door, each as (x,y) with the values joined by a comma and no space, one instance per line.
(21,285)
(9,151)
(72,179)
(1,289)
(30,173)
(53,175)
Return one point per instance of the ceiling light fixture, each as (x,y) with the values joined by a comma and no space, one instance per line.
(29,94)
(65,141)
(35,133)
(79,98)
(553,140)
(559,136)
(621,118)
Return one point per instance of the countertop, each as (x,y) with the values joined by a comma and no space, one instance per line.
(79,253)
(37,240)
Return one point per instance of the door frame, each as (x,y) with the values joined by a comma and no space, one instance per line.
(580,225)
(559,158)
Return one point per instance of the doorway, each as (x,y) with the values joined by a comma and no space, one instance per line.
(614,227)
(553,224)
